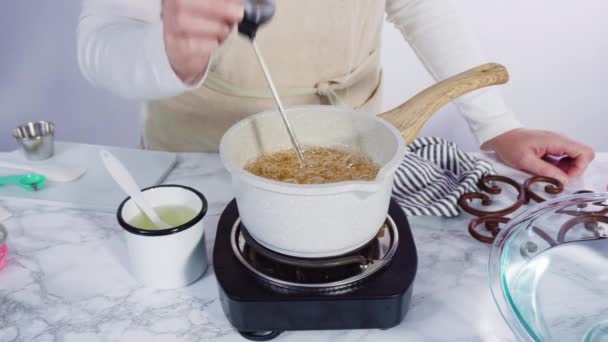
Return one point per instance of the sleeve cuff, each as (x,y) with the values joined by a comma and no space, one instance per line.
(497,126)
(166,77)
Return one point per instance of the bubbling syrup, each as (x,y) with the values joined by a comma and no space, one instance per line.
(323,165)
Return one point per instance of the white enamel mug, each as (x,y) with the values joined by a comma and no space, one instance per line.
(167,258)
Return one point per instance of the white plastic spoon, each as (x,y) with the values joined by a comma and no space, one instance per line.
(121,176)
(54,172)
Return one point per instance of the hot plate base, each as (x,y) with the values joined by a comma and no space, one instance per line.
(252,307)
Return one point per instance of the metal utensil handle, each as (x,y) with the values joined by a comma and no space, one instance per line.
(303,262)
(292,135)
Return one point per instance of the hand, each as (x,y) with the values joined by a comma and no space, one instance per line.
(194,29)
(541,152)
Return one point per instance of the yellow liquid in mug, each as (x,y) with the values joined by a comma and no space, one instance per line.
(173,215)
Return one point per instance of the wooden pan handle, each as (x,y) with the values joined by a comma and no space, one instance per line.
(413,114)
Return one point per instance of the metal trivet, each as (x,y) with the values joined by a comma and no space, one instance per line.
(321,274)
(359,257)
(491,220)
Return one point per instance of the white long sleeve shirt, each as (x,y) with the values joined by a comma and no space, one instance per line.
(121,48)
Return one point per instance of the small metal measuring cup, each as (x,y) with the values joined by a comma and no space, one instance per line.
(36,139)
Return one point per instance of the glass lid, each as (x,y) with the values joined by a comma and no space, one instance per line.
(549,270)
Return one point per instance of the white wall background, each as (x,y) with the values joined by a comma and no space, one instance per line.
(555,50)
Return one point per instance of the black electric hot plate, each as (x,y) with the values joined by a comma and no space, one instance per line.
(264,293)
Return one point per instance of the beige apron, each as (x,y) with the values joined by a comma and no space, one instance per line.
(318,52)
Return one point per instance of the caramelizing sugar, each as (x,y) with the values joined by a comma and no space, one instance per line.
(323,165)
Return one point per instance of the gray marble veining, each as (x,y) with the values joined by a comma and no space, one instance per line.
(68,279)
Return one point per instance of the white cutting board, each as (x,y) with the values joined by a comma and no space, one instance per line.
(95,189)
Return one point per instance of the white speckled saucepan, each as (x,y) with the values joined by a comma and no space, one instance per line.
(324,220)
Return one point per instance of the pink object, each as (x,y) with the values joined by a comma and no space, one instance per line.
(3,253)
(3,247)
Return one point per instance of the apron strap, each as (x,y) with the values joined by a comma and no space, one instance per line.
(326,88)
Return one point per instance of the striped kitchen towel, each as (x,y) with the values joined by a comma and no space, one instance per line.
(434,173)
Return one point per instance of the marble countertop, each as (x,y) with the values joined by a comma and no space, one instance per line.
(67,278)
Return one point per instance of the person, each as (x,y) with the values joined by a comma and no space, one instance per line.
(197,76)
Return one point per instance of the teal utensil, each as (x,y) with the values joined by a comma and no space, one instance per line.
(30,181)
